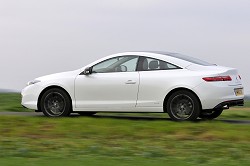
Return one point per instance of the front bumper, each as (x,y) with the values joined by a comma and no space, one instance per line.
(30,96)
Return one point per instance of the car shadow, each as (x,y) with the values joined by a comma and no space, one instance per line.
(233,121)
(152,118)
(127,117)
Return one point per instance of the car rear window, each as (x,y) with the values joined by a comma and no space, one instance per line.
(186,58)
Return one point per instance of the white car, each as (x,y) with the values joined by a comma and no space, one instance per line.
(184,87)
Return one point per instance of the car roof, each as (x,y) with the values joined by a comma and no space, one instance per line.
(173,58)
(182,57)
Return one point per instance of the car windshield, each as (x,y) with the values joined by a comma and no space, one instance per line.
(186,58)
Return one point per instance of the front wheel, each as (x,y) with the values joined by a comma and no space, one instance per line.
(183,105)
(55,103)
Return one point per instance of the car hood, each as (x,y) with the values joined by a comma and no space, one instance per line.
(61,75)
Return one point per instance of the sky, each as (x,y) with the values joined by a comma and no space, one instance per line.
(40,37)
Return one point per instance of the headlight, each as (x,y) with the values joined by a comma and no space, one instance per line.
(33,82)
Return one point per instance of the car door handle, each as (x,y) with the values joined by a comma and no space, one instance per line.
(130,82)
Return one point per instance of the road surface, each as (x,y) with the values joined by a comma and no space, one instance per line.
(130,117)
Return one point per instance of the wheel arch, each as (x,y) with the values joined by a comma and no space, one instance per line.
(48,88)
(175,90)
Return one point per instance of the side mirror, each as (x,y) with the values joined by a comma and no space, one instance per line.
(87,71)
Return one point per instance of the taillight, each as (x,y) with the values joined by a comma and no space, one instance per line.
(217,78)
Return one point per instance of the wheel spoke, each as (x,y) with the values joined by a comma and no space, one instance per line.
(182,106)
(54,104)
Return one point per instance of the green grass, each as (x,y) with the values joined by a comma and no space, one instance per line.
(11,102)
(111,141)
(247,103)
(99,161)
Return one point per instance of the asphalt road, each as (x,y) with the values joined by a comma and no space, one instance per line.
(130,117)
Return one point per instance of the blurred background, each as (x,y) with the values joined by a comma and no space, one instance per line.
(43,37)
(40,37)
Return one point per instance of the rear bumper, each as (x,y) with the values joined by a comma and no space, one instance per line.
(231,103)
(218,94)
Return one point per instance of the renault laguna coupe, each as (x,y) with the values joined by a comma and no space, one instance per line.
(184,87)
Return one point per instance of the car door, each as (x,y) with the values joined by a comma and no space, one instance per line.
(156,76)
(112,83)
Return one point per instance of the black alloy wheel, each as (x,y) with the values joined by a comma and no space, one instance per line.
(55,102)
(183,105)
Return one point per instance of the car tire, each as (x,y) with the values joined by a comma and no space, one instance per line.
(86,113)
(55,102)
(211,114)
(183,105)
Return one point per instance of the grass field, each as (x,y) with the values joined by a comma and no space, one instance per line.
(11,102)
(111,141)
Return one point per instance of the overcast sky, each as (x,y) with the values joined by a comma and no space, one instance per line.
(40,37)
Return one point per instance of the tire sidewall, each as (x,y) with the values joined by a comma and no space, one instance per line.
(67,104)
(196,105)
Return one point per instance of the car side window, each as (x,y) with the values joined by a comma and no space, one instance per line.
(117,64)
(148,64)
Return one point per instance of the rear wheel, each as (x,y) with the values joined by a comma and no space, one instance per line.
(55,102)
(183,105)
(210,114)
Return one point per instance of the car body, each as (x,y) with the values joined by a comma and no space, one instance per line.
(184,87)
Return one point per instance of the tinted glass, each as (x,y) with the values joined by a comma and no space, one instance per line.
(147,64)
(186,58)
(117,64)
